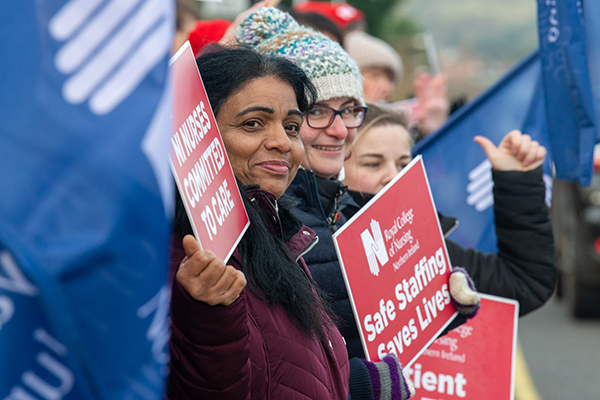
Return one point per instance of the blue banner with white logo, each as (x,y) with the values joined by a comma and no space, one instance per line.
(86,197)
(457,168)
(569,102)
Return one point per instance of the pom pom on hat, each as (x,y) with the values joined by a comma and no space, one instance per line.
(263,25)
(273,32)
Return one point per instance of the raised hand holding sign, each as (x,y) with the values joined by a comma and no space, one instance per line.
(206,278)
(397,270)
(200,164)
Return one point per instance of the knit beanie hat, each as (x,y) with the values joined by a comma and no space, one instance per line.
(369,51)
(331,70)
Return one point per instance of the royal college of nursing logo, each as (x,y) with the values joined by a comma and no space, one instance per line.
(374,247)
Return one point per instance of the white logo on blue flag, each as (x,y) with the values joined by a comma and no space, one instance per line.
(7,310)
(158,332)
(110,47)
(14,280)
(480,187)
(51,368)
(548,181)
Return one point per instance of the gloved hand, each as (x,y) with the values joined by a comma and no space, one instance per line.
(388,380)
(462,293)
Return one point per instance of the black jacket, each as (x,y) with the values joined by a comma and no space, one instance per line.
(322,260)
(523,269)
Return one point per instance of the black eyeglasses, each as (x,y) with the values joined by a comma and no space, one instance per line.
(321,117)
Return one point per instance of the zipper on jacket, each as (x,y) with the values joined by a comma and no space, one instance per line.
(275,206)
(308,248)
(314,193)
(336,215)
(276,216)
(452,229)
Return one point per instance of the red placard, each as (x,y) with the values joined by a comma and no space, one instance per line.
(474,361)
(396,267)
(200,164)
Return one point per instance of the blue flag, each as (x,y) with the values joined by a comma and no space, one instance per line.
(85,198)
(591,17)
(457,168)
(572,120)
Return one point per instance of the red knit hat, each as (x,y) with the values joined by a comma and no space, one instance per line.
(206,32)
(343,14)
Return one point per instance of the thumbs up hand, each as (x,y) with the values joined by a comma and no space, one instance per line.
(516,152)
(206,278)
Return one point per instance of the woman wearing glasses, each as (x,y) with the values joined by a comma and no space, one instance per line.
(327,133)
(328,138)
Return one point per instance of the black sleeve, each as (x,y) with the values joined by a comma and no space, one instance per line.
(361,387)
(523,269)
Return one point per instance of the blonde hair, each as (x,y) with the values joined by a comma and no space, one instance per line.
(380,114)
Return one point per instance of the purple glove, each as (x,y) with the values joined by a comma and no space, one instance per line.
(388,380)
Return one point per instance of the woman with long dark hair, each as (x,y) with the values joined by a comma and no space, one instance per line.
(256,328)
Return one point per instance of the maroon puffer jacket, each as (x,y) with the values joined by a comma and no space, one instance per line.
(250,350)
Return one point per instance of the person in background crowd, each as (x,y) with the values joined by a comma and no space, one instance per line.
(319,23)
(245,330)
(321,196)
(206,32)
(433,104)
(523,268)
(186,17)
(345,16)
(217,30)
(380,65)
